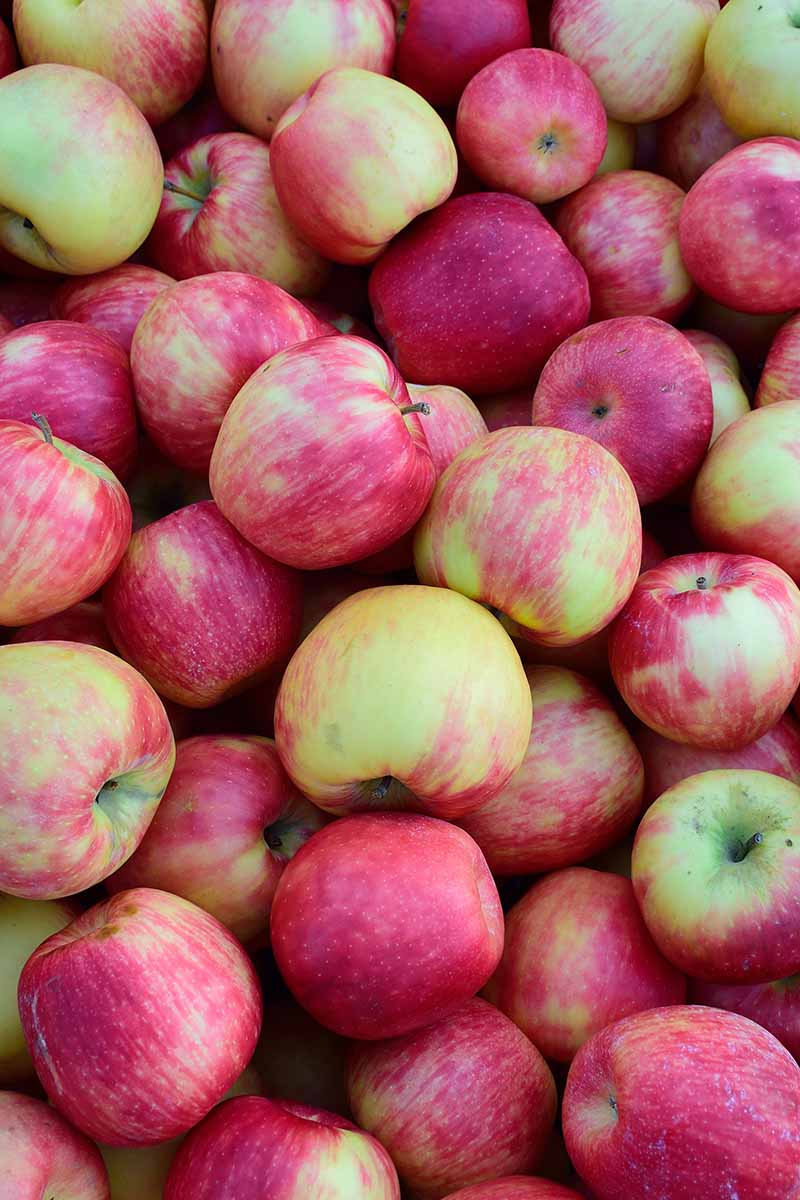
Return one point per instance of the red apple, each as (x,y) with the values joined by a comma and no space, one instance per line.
(774,1005)
(516,1187)
(82,623)
(507,408)
(8,51)
(23,301)
(780,379)
(42,1156)
(692,138)
(113,301)
(196,345)
(478,294)
(623,229)
(728,394)
(199,117)
(377,886)
(5,325)
(409,1092)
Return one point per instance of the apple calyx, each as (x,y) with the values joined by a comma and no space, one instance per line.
(419,407)
(740,852)
(43,424)
(600,410)
(548,142)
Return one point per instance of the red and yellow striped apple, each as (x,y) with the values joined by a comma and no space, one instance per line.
(113,301)
(729,398)
(780,378)
(42,1156)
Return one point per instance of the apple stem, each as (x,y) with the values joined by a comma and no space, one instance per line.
(381,789)
(179,191)
(745,847)
(702,583)
(44,425)
(420,407)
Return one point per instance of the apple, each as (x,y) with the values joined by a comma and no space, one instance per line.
(220,213)
(113,301)
(8,51)
(86,752)
(683,1102)
(266,53)
(23,301)
(81,378)
(506,408)
(693,137)
(429,730)
(478,294)
(643,69)
(300,1060)
(64,523)
(42,1156)
(751,62)
(83,623)
(200,611)
(516,1187)
(747,494)
(623,229)
(386,889)
(578,957)
(578,790)
(86,211)
(200,116)
(707,649)
(620,152)
(532,123)
(196,345)
(749,335)
(409,1092)
(322,459)
(740,214)
(636,386)
(229,822)
(286,1150)
(780,378)
(774,1005)
(730,400)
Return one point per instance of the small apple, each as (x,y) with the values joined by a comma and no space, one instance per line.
(749,335)
(43,1157)
(113,301)
(23,301)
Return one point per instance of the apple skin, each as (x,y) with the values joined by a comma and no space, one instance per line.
(642,69)
(82,379)
(532,123)
(283,469)
(774,1005)
(620,152)
(265,55)
(636,386)
(113,301)
(578,957)
(740,213)
(680,651)
(8,51)
(199,117)
(23,301)
(730,400)
(438,743)
(539,557)
(409,1093)
(290,1150)
(95,210)
(194,348)
(228,823)
(64,524)
(720,905)
(692,138)
(747,494)
(82,623)
(220,212)
(42,1155)
(644,1117)
(478,294)
(198,610)
(623,229)
(578,790)
(155,50)
(780,378)
(364,883)
(355,159)
(516,1187)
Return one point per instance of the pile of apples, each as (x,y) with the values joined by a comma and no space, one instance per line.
(399,563)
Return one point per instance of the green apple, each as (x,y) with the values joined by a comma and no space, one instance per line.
(753,67)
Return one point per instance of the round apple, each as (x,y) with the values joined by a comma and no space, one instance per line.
(41,1155)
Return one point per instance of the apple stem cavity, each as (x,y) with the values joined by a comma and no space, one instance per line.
(179,191)
(44,425)
(272,839)
(419,407)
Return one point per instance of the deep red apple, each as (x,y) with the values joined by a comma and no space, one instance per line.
(507,408)
(8,51)
(113,301)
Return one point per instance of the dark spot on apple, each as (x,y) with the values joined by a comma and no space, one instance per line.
(28,224)
(612,1101)
(702,583)
(600,410)
(789,842)
(272,839)
(130,910)
(107,931)
(548,142)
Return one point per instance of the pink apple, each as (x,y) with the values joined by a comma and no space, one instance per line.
(636,386)
(198,610)
(199,117)
(42,1156)
(23,301)
(148,988)
(229,822)
(409,1093)
(728,394)
(113,301)
(290,468)
(516,1187)
(684,1102)
(707,649)
(741,213)
(220,213)
(623,229)
(507,408)
(373,885)
(65,521)
(82,623)
(80,379)
(289,1150)
(8,51)
(196,345)
(532,123)
(693,137)
(774,1005)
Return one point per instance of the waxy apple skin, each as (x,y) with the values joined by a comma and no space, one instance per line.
(684,1102)
(113,301)
(41,1155)
(780,378)
(515,1187)
(774,1005)
(364,883)
(149,988)
(456,1103)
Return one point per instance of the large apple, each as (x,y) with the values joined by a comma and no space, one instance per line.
(716,868)
(707,649)
(728,395)
(516,1187)
(751,64)
(375,886)
(81,379)
(364,720)
(88,208)
(65,521)
(43,1158)
(113,301)
(220,213)
(478,294)
(684,1102)
(692,138)
(774,1005)
(148,988)
(409,1093)
(780,378)
(636,386)
(194,348)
